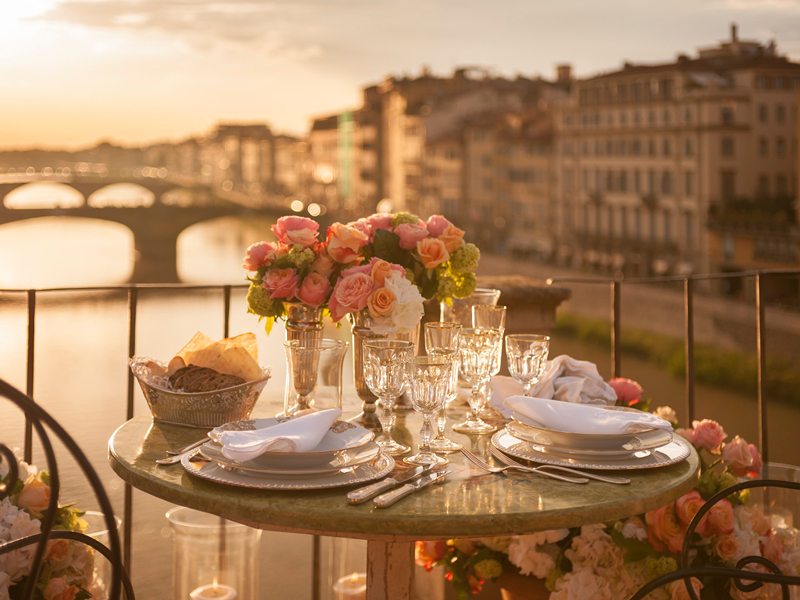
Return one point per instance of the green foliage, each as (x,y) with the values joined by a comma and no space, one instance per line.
(632,548)
(386,245)
(404,217)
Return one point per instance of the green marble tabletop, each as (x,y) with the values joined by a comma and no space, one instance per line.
(469,504)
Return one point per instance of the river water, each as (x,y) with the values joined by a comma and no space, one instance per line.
(81,372)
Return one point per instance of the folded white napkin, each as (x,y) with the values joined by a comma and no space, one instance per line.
(299,434)
(581,418)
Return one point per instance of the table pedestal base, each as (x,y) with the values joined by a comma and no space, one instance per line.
(390,570)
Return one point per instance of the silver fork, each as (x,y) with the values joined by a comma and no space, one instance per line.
(507,460)
(191,446)
(482,464)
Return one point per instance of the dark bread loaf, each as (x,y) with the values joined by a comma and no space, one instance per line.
(201,379)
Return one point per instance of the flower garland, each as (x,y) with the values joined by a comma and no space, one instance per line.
(607,561)
(67,569)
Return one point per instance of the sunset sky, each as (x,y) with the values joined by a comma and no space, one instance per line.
(76,71)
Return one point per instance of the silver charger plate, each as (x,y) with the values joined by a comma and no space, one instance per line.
(669,454)
(342,460)
(211,471)
(526,429)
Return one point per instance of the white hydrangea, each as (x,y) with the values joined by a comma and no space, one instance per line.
(582,584)
(14,524)
(408,308)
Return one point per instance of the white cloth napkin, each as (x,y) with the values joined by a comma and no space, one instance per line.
(565,378)
(299,434)
(581,418)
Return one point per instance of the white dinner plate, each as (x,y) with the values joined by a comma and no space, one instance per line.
(211,471)
(538,434)
(342,460)
(669,454)
(342,435)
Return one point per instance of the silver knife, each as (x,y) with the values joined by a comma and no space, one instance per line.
(363,494)
(389,498)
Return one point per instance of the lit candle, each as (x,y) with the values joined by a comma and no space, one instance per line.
(351,587)
(213,591)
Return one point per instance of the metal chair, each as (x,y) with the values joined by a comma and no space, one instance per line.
(740,573)
(39,419)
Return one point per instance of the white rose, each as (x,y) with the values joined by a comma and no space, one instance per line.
(634,528)
(530,562)
(667,413)
(14,524)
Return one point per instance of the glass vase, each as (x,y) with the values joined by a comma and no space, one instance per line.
(361,324)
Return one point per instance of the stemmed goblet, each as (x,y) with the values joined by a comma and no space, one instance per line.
(384,372)
(527,358)
(443,338)
(478,354)
(494,317)
(428,380)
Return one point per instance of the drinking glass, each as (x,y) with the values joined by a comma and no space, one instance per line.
(429,378)
(459,310)
(314,377)
(444,338)
(384,373)
(527,356)
(478,355)
(492,317)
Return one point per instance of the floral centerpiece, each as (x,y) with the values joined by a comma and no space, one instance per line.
(608,561)
(67,569)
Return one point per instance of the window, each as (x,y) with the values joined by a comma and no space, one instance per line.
(763,186)
(762,113)
(727,146)
(623,220)
(763,146)
(623,181)
(610,221)
(652,225)
(781,189)
(687,115)
(651,117)
(585,177)
(780,147)
(780,113)
(637,181)
(726,115)
(666,183)
(688,229)
(688,183)
(666,116)
(728,184)
(667,216)
(651,181)
(637,223)
(666,147)
(688,147)
(585,217)
(651,147)
(568,181)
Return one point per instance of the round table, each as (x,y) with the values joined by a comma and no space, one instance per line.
(469,503)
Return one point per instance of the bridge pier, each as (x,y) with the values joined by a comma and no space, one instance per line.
(155,259)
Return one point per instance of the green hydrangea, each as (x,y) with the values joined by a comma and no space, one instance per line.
(301,258)
(656,566)
(447,287)
(712,481)
(465,285)
(404,217)
(465,259)
(488,569)
(259,303)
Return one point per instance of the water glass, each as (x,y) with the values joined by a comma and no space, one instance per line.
(492,317)
(429,378)
(459,310)
(444,338)
(478,355)
(314,374)
(527,358)
(384,373)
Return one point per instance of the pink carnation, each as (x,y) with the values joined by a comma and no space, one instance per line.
(708,435)
(260,254)
(411,233)
(629,392)
(436,225)
(350,294)
(299,231)
(281,283)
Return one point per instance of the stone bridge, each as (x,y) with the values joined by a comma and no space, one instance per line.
(155,228)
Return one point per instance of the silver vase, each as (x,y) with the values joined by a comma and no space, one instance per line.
(361,324)
(303,323)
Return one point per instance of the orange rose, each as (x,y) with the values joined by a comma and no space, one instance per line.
(380,303)
(34,497)
(453,237)
(58,589)
(345,243)
(686,508)
(664,529)
(380,271)
(720,517)
(677,589)
(728,548)
(432,252)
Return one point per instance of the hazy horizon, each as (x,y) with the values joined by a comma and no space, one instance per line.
(137,72)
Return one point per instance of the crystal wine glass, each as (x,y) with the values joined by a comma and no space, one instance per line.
(527,357)
(478,354)
(494,317)
(429,377)
(444,338)
(384,372)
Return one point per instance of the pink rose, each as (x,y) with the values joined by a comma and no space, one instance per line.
(664,530)
(345,243)
(686,508)
(772,548)
(432,252)
(350,294)
(314,289)
(629,392)
(298,231)
(410,234)
(58,589)
(34,497)
(687,434)
(379,221)
(323,265)
(281,283)
(708,435)
(758,464)
(260,254)
(737,456)
(436,225)
(720,517)
(677,589)
(363,226)
(453,237)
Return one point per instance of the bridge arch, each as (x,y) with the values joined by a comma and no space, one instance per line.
(129,195)
(42,194)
